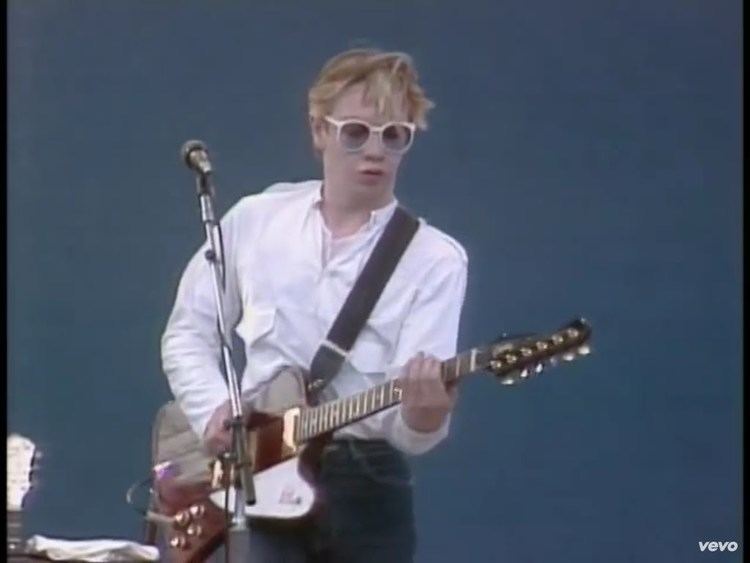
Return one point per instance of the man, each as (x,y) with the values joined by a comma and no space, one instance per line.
(292,256)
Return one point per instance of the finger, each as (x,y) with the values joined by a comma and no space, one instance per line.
(452,394)
(405,382)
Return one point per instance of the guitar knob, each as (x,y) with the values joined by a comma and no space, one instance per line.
(178,542)
(197,510)
(182,518)
(194,530)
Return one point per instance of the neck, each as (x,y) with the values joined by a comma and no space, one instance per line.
(326,418)
(345,212)
(502,358)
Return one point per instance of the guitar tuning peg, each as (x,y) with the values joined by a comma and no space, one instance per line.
(539,368)
(569,356)
(584,350)
(554,360)
(524,373)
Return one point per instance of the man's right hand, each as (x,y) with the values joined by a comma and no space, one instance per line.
(218,435)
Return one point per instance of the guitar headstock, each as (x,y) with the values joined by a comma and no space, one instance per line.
(518,359)
(22,454)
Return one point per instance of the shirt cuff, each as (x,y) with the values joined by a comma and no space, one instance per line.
(198,414)
(413,442)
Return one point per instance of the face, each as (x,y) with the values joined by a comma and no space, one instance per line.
(366,175)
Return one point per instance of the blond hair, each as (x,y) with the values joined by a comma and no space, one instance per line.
(385,76)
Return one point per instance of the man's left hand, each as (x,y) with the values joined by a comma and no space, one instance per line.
(426,402)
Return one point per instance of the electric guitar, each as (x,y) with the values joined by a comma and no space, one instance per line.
(286,435)
(21,458)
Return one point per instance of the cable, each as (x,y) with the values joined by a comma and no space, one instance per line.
(149,515)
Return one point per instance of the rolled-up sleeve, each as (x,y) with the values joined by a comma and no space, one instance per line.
(430,327)
(190,345)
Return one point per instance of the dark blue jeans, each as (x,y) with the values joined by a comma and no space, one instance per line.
(366,516)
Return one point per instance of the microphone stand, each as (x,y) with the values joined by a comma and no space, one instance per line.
(239,460)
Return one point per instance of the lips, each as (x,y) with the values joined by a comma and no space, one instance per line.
(372,172)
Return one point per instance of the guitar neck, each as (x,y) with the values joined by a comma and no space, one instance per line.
(15,532)
(328,417)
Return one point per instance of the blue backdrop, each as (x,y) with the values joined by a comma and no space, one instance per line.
(586,153)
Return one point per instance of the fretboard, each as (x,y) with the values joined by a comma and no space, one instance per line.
(328,417)
(15,532)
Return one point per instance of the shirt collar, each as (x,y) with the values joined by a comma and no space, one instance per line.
(378,217)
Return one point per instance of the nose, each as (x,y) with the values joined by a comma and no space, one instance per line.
(373,148)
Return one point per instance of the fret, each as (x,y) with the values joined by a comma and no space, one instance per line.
(382,395)
(326,412)
(335,413)
(314,420)
(15,531)
(396,393)
(298,426)
(473,360)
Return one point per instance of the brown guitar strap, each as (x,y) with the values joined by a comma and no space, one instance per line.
(361,300)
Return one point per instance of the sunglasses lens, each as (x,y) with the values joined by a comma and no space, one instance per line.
(354,135)
(397,137)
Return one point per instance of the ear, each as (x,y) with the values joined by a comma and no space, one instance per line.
(319,131)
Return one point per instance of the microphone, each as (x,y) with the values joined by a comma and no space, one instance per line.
(195,155)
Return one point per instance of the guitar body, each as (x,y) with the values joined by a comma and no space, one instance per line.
(189,482)
(286,436)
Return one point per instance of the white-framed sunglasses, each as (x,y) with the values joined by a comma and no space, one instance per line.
(353,134)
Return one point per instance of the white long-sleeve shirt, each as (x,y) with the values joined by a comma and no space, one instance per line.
(286,280)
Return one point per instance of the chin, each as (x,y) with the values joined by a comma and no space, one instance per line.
(376,188)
